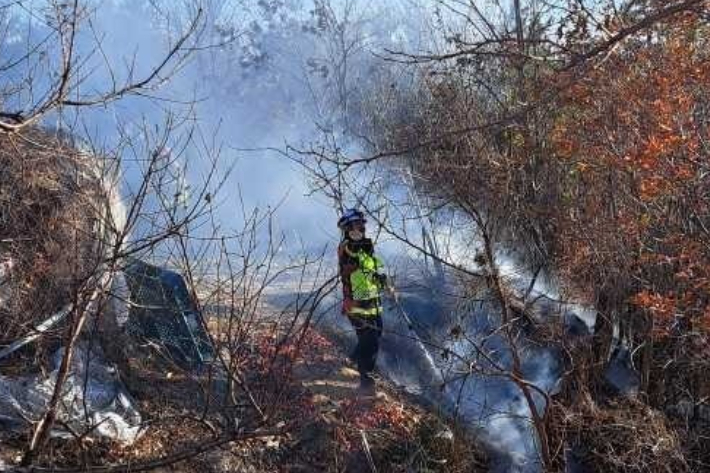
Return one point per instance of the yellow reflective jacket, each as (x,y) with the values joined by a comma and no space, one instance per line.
(359,270)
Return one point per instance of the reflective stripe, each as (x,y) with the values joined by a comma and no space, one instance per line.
(369,304)
(375,311)
(367,308)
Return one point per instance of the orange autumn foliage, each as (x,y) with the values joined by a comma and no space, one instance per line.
(633,133)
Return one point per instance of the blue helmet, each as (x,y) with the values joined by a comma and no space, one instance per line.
(351,216)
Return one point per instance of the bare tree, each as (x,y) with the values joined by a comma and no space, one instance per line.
(49,86)
(171,218)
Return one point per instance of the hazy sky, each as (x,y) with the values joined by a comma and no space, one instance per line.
(264,89)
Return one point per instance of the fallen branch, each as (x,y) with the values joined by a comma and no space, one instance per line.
(36,332)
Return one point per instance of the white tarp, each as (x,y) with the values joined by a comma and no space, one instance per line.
(93,398)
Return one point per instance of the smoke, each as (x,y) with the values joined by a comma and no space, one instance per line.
(265,75)
(478,391)
(271,74)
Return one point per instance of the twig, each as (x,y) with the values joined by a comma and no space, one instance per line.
(368,453)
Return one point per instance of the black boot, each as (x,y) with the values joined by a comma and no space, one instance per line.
(367,383)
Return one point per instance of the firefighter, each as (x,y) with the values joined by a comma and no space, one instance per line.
(362,277)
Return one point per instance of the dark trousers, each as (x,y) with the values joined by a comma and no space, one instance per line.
(369,331)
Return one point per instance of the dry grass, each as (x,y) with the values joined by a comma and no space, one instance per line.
(624,435)
(46,227)
(310,395)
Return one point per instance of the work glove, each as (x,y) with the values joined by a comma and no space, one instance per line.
(381,280)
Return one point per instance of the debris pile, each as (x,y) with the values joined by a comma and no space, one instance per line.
(59,220)
(624,435)
(52,206)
